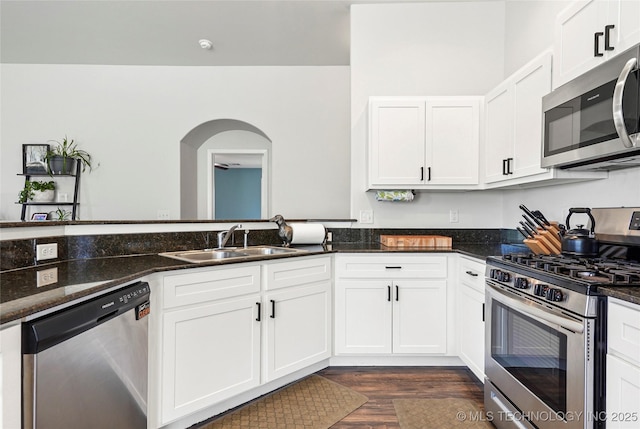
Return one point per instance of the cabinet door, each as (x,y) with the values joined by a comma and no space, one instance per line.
(453,138)
(623,394)
(574,39)
(363,316)
(498,132)
(297,329)
(471,329)
(626,15)
(209,353)
(396,141)
(529,86)
(420,316)
(10,377)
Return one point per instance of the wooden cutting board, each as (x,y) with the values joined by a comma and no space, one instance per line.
(415,241)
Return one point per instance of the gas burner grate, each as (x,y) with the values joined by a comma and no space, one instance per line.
(592,270)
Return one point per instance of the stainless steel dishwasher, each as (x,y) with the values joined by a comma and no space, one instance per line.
(85,366)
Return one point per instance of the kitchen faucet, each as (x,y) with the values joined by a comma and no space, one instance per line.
(223,236)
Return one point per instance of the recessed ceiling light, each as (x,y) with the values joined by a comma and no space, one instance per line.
(205,44)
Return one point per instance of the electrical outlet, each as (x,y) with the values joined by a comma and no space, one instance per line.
(163,215)
(366,216)
(453,216)
(46,251)
(47,277)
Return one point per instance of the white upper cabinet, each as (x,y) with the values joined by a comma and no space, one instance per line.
(424,142)
(396,141)
(453,137)
(588,33)
(513,112)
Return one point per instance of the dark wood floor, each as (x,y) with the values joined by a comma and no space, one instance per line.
(383,384)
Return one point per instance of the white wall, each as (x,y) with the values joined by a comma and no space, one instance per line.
(132,118)
(451,48)
(528,30)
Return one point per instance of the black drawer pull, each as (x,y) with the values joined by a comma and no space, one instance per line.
(259,311)
(472,274)
(273,309)
(393,267)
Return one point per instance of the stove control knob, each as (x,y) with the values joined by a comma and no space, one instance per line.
(540,289)
(554,295)
(521,283)
(503,277)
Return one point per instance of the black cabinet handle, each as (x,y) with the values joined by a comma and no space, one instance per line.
(393,267)
(397,293)
(273,309)
(472,274)
(389,293)
(509,170)
(483,311)
(429,174)
(421,174)
(596,44)
(259,311)
(607,37)
(504,167)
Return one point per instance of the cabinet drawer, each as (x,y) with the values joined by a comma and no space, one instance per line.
(217,283)
(297,271)
(391,266)
(624,330)
(471,273)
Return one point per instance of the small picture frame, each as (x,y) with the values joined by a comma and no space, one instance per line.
(34,158)
(39,216)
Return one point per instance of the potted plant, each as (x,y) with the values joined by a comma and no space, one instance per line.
(37,192)
(60,214)
(62,157)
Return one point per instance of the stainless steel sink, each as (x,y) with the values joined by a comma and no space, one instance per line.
(268,250)
(209,255)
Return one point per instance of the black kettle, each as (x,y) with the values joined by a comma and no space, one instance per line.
(579,241)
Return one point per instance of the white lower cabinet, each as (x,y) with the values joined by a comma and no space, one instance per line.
(222,331)
(402,310)
(210,338)
(210,352)
(470,310)
(623,365)
(10,376)
(297,328)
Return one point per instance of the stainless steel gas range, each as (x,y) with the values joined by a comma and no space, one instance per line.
(546,329)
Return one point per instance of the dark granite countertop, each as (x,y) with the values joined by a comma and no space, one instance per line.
(629,294)
(20,297)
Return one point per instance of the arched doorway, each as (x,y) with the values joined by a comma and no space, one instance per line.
(198,152)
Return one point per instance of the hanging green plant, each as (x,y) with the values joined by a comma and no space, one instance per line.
(62,157)
(28,193)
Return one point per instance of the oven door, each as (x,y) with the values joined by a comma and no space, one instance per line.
(536,358)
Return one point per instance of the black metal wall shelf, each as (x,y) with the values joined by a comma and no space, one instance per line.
(74,204)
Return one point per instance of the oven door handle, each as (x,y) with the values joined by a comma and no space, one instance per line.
(535,311)
(618,114)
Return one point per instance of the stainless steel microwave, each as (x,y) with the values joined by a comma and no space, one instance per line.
(593,121)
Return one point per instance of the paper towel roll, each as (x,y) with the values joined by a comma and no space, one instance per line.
(307,233)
